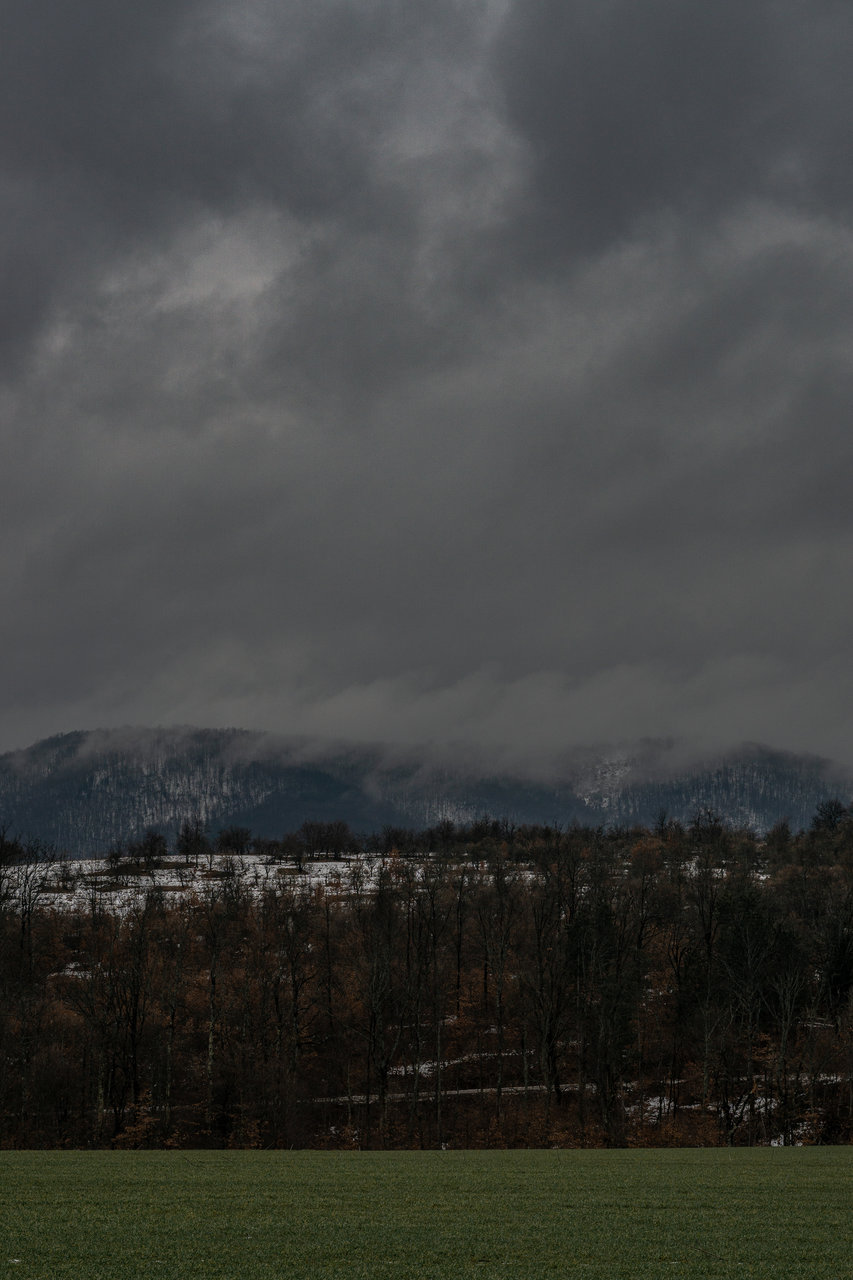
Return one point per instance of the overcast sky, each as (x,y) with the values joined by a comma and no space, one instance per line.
(472,370)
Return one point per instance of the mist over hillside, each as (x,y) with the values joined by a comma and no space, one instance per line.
(85,791)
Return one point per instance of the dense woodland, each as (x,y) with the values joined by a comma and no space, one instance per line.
(469,986)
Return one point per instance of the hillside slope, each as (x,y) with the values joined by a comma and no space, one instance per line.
(85,791)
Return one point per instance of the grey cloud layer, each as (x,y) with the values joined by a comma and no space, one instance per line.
(633,109)
(450,371)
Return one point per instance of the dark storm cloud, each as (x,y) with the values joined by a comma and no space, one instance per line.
(121,119)
(443,371)
(633,109)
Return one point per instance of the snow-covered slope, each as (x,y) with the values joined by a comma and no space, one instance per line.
(84,791)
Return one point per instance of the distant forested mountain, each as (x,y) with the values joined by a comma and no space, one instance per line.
(83,792)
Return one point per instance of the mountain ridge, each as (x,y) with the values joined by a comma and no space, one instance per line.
(87,790)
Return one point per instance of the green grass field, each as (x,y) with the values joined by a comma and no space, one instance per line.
(439,1215)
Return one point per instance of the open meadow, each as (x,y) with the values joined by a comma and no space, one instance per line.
(429,1216)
